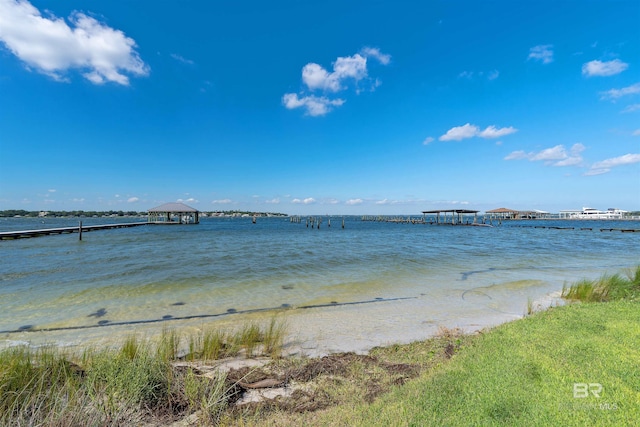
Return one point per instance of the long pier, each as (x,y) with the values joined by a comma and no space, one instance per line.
(11,235)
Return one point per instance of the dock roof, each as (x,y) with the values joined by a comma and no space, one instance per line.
(173,207)
(458,211)
(502,210)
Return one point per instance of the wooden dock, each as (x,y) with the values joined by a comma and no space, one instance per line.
(11,235)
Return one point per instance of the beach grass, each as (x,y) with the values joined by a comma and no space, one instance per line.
(137,382)
(606,288)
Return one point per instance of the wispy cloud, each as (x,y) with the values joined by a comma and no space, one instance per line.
(346,70)
(614,94)
(52,46)
(607,68)
(133,199)
(428,140)
(468,130)
(307,201)
(353,202)
(605,166)
(542,53)
(631,108)
(470,75)
(222,201)
(315,105)
(554,156)
(182,59)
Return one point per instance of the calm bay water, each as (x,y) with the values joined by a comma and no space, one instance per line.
(412,277)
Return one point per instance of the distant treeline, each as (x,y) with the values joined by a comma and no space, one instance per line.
(240,213)
(23,213)
(10,213)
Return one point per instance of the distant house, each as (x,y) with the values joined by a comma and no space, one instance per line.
(174,213)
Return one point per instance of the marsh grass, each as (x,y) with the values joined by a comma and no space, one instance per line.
(607,288)
(250,339)
(273,338)
(132,384)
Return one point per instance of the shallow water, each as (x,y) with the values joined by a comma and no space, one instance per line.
(412,277)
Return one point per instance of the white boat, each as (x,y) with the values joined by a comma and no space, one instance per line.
(591,213)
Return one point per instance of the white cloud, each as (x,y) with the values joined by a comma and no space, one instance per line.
(460,132)
(52,190)
(428,140)
(469,131)
(593,172)
(516,155)
(345,69)
(492,132)
(374,52)
(470,75)
(274,201)
(631,108)
(353,202)
(52,47)
(636,132)
(608,68)
(182,59)
(132,199)
(614,94)
(221,201)
(554,153)
(627,159)
(189,200)
(307,201)
(316,77)
(543,53)
(314,105)
(554,156)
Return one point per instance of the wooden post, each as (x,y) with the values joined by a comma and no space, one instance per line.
(80,231)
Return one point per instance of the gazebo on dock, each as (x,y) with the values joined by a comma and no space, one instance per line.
(503,213)
(173,213)
(457,216)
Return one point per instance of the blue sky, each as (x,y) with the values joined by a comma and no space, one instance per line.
(358,107)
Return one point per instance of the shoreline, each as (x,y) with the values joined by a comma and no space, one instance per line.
(321,329)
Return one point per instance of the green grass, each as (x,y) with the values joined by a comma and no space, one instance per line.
(606,288)
(129,385)
(523,374)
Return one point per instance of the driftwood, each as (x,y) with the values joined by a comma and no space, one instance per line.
(266,383)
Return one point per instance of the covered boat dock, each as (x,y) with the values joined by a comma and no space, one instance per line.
(457,216)
(174,213)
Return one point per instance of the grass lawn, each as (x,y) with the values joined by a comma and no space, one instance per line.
(529,372)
